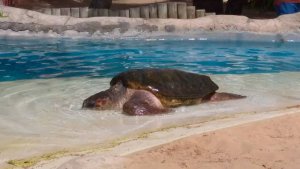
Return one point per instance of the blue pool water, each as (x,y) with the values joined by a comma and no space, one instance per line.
(52,58)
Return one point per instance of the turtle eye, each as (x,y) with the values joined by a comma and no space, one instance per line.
(117,87)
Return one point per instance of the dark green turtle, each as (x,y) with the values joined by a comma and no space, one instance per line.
(152,91)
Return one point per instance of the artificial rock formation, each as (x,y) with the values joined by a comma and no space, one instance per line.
(19,20)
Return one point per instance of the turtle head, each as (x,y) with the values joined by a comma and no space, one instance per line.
(105,100)
(99,100)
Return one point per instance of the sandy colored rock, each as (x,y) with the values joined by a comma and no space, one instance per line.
(272,143)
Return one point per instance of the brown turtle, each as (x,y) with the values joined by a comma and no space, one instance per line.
(153,91)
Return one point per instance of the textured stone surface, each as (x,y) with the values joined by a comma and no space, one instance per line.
(26,20)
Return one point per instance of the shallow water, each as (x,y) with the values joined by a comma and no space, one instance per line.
(44,81)
(42,115)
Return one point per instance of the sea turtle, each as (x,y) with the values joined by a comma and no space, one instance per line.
(153,91)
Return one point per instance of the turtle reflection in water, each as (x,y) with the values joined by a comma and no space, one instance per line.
(154,91)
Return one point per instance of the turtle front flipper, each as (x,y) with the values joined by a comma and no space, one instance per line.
(143,103)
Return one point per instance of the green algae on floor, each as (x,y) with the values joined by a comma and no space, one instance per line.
(33,161)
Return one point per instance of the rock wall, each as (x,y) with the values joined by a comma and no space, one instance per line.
(19,20)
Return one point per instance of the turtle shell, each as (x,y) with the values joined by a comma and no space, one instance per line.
(168,83)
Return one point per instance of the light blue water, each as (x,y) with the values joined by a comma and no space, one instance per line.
(52,58)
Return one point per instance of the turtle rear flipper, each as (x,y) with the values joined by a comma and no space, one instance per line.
(143,103)
(224,96)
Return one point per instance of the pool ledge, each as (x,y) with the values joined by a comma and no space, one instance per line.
(20,20)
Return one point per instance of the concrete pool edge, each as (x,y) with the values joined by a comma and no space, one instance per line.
(20,20)
(128,145)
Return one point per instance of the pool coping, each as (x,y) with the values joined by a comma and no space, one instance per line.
(21,20)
